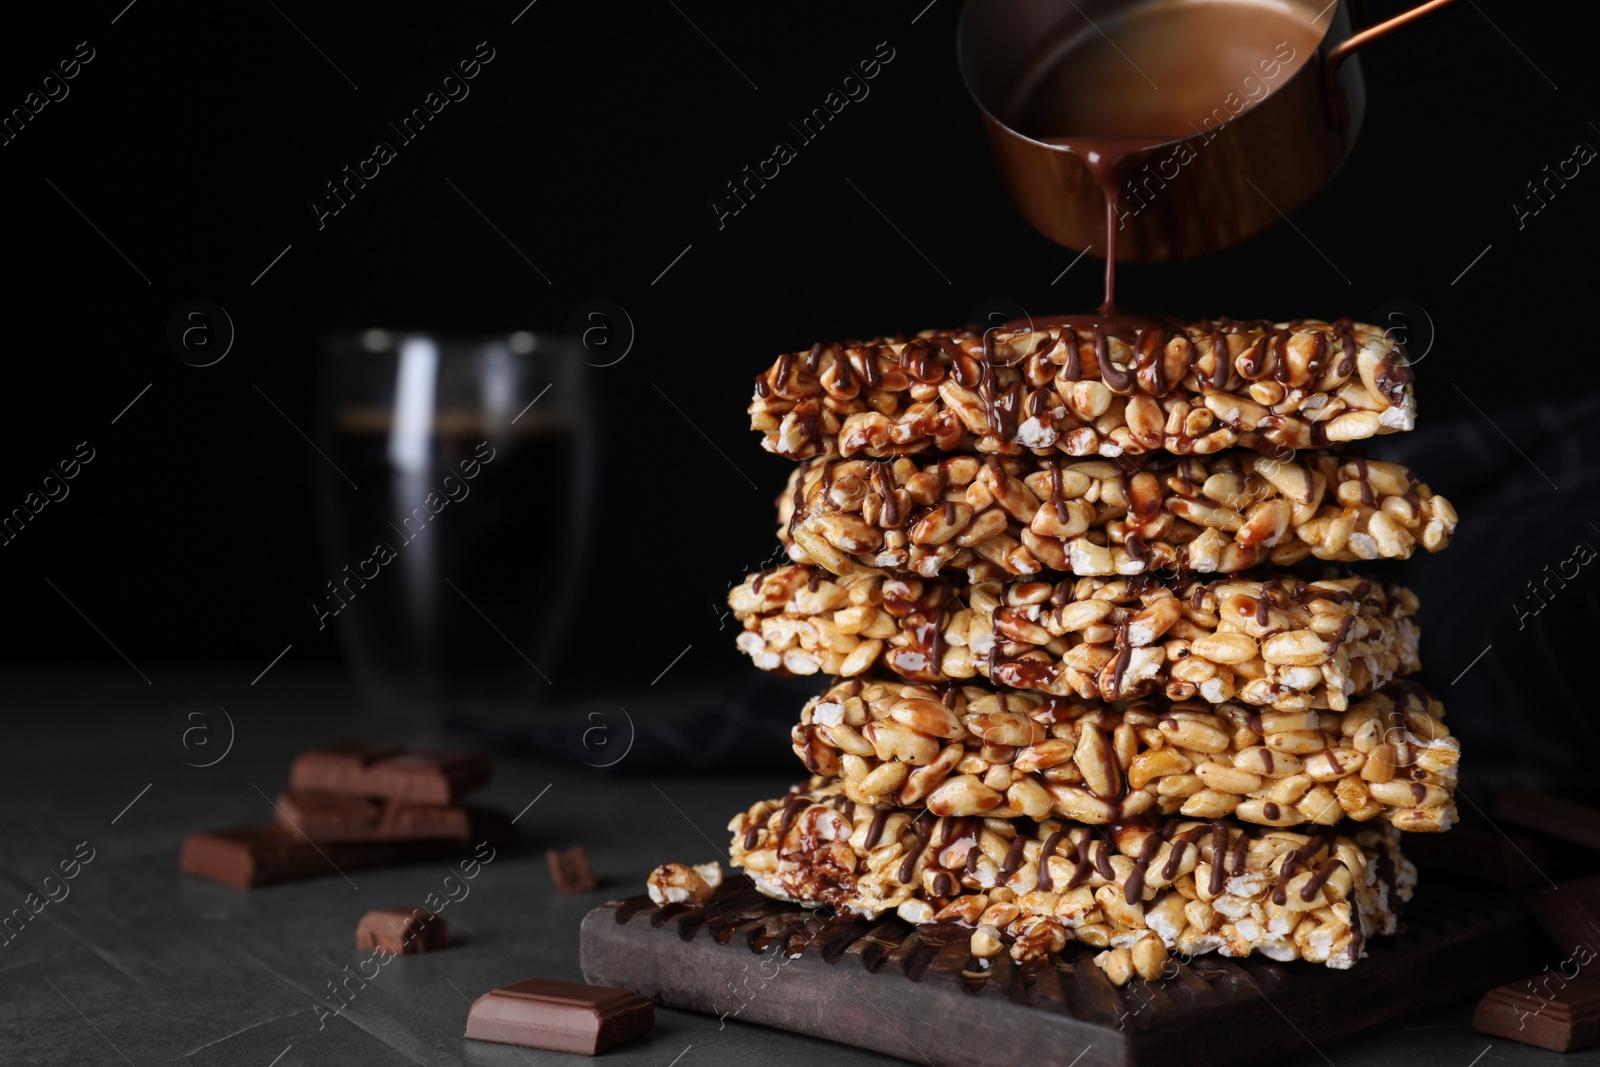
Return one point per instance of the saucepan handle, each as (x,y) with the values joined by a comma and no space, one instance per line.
(1335,58)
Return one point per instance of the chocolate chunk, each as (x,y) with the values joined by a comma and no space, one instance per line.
(1560,1014)
(1569,913)
(402,931)
(1561,819)
(560,1016)
(424,776)
(570,870)
(247,856)
(325,817)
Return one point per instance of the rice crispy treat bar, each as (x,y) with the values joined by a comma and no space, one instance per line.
(1009,754)
(1146,886)
(1067,387)
(1018,516)
(1279,642)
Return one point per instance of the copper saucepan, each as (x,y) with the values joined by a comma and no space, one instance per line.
(1235,179)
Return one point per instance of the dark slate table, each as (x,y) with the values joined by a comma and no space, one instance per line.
(140,965)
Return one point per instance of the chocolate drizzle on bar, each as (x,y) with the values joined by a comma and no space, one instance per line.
(1133,890)
(922,826)
(792,805)
(874,831)
(1047,850)
(1013,858)
(1219,844)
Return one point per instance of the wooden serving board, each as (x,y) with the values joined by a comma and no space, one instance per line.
(916,993)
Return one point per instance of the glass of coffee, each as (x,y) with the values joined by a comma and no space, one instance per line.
(455,509)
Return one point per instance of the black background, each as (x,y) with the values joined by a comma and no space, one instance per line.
(595,140)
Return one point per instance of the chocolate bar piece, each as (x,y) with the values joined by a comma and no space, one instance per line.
(570,870)
(423,776)
(1569,913)
(247,856)
(560,1016)
(402,931)
(1552,816)
(325,817)
(1560,1014)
